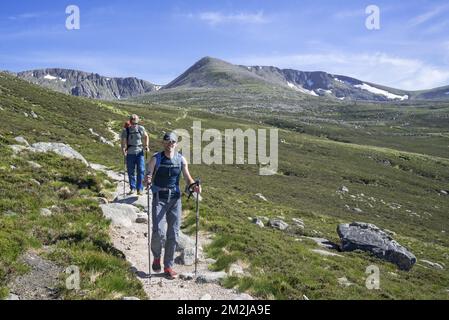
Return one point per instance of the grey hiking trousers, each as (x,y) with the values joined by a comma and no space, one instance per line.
(166,218)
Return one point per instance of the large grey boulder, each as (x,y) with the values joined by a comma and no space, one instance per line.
(61,149)
(120,214)
(368,237)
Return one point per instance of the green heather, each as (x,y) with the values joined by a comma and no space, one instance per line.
(385,154)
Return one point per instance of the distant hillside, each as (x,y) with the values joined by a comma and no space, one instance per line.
(91,85)
(214,73)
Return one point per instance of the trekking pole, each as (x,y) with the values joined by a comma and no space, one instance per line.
(198,182)
(190,188)
(149,225)
(124,176)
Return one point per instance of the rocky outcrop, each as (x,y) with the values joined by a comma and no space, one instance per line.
(368,237)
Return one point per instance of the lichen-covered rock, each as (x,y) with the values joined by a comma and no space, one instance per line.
(368,237)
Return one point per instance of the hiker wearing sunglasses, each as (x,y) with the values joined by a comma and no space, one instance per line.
(163,174)
(135,142)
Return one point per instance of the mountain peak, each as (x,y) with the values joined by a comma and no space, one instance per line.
(92,85)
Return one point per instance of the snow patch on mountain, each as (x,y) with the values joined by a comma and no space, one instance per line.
(301,89)
(374,90)
(50,77)
(325,91)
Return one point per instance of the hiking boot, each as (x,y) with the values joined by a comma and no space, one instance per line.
(131,192)
(170,273)
(139,192)
(156,265)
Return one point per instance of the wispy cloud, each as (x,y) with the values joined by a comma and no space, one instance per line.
(344,14)
(28,15)
(429,15)
(380,68)
(217,17)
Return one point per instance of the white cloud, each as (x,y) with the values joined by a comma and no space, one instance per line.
(418,20)
(379,68)
(216,17)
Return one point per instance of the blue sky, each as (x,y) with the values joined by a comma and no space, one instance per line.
(157,40)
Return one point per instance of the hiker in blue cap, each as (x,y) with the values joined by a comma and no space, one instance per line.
(135,141)
(163,175)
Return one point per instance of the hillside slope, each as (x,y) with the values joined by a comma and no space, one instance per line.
(403,192)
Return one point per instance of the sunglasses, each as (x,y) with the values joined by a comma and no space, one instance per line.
(170,141)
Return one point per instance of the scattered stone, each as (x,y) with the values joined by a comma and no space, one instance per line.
(22,141)
(344,189)
(344,282)
(186,276)
(141,219)
(130,298)
(358,210)
(368,237)
(261,196)
(206,297)
(46,212)
(34,115)
(12,297)
(13,167)
(432,264)
(326,253)
(211,277)
(258,222)
(278,224)
(34,181)
(102,200)
(65,193)
(243,296)
(235,270)
(304,297)
(444,192)
(25,114)
(34,165)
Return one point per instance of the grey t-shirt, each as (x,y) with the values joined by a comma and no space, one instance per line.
(135,139)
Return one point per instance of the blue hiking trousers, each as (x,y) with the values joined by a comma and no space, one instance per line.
(166,218)
(136,162)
